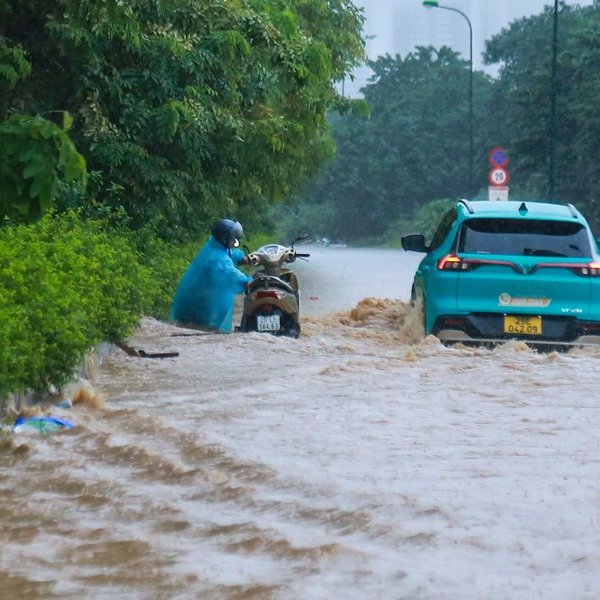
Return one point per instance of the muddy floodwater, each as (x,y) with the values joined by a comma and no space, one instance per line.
(359,461)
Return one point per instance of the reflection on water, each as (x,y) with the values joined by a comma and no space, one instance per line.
(358,461)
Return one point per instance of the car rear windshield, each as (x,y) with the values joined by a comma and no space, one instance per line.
(524,237)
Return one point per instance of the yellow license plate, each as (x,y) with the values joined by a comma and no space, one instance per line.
(522,325)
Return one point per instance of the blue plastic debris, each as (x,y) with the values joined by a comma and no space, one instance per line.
(40,424)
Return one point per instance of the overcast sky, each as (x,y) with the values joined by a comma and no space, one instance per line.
(397,26)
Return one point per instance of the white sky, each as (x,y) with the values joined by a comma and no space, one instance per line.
(400,25)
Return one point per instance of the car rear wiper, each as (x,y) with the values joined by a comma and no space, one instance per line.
(541,252)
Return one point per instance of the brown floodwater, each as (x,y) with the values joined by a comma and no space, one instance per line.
(360,461)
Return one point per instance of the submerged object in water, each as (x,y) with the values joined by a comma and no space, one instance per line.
(40,424)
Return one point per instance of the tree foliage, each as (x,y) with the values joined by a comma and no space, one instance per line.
(184,109)
(413,148)
(523,96)
(36,155)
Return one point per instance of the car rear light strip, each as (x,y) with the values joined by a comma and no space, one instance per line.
(451,262)
(583,269)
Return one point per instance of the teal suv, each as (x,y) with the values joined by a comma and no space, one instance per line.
(509,270)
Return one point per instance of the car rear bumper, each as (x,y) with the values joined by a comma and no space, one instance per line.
(488,328)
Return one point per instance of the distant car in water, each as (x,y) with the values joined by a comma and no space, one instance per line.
(509,270)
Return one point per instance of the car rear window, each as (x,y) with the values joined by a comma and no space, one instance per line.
(524,237)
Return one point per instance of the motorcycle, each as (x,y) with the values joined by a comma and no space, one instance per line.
(272,300)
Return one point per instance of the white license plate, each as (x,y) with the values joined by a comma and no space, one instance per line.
(269,323)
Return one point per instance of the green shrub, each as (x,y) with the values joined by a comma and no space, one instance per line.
(65,285)
(165,262)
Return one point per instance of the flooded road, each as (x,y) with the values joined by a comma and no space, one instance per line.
(359,461)
(336,279)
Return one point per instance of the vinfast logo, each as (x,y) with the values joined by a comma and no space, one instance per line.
(505,299)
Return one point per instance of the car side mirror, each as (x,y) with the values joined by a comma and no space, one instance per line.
(414,243)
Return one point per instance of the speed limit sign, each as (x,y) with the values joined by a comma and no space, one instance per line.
(498,176)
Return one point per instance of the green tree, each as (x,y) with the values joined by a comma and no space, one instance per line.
(523,97)
(414,147)
(36,156)
(185,109)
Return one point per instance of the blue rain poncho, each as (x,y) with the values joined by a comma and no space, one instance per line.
(205,294)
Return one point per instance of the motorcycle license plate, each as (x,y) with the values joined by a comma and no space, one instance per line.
(267,323)
(523,325)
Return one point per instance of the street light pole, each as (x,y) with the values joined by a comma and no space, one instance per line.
(552,128)
(436,4)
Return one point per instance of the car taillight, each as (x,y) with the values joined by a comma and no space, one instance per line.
(583,269)
(454,322)
(269,294)
(590,326)
(451,262)
(590,270)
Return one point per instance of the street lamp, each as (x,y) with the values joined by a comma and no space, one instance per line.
(552,127)
(436,4)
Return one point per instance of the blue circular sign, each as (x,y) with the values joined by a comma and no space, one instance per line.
(498,157)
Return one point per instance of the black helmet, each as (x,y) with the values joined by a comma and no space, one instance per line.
(227,232)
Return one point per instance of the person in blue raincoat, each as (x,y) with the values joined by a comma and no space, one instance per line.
(205,294)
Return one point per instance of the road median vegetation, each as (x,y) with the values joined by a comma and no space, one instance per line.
(67,284)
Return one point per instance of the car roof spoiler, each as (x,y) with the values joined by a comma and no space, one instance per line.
(467,205)
(573,210)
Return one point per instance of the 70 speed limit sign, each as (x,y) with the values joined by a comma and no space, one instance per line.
(498,176)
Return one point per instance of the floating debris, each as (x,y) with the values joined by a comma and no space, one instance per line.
(40,424)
